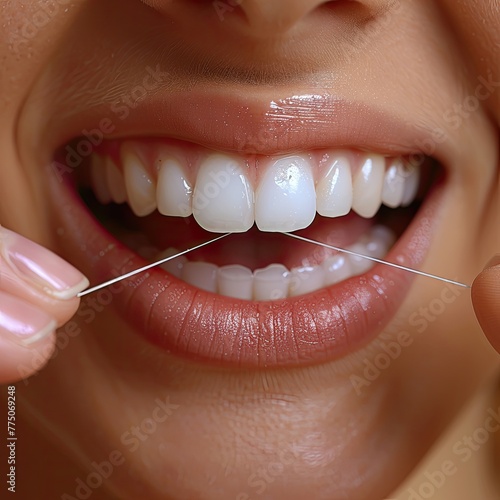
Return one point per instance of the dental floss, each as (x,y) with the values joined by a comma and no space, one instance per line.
(404,268)
(319,243)
(149,266)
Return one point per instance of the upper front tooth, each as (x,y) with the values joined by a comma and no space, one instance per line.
(411,185)
(116,183)
(141,190)
(173,190)
(334,191)
(286,198)
(394,184)
(223,199)
(367,188)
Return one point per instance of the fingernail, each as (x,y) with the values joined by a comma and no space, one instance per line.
(41,267)
(494,261)
(23,323)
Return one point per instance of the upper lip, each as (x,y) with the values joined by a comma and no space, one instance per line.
(229,121)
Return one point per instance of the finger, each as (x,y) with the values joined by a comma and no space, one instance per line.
(38,276)
(26,338)
(486,301)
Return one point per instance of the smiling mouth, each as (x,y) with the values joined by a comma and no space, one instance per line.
(256,298)
(175,193)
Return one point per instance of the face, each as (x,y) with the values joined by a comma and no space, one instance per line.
(260,366)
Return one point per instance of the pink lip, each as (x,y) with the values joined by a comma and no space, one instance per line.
(230,121)
(188,322)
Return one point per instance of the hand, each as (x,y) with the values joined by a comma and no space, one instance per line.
(37,294)
(486,300)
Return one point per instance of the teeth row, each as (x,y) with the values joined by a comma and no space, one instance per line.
(286,198)
(276,281)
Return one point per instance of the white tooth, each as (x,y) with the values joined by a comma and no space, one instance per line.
(359,265)
(271,282)
(173,266)
(173,191)
(394,184)
(367,187)
(412,181)
(286,198)
(200,274)
(98,179)
(305,279)
(147,252)
(380,241)
(235,281)
(336,268)
(139,184)
(115,181)
(223,198)
(334,191)
(383,233)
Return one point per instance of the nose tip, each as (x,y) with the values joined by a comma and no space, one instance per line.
(272,17)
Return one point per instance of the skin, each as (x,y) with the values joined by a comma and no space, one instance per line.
(292,433)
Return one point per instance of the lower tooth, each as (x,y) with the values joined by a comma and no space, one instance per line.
(359,265)
(147,252)
(173,266)
(305,280)
(336,268)
(383,235)
(271,282)
(235,281)
(200,274)
(276,281)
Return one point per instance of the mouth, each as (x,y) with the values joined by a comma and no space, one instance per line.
(256,298)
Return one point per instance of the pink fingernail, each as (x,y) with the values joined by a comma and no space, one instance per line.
(40,266)
(22,322)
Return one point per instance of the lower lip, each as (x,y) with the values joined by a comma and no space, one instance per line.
(188,322)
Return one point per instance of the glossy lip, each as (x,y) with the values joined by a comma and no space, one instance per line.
(230,121)
(205,327)
(188,322)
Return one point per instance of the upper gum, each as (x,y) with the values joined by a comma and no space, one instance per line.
(190,156)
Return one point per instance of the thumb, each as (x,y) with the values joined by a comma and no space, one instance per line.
(486,300)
